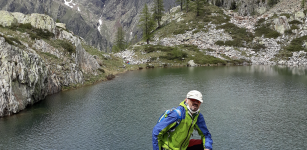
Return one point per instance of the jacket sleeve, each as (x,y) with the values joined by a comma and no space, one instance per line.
(161,128)
(203,131)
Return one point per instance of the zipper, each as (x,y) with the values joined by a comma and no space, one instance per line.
(188,133)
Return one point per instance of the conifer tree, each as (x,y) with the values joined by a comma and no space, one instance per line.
(303,4)
(120,43)
(147,24)
(158,11)
(199,6)
(187,2)
(181,2)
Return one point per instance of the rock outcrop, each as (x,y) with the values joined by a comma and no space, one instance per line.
(27,76)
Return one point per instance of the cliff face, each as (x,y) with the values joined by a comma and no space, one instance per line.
(94,20)
(83,23)
(30,71)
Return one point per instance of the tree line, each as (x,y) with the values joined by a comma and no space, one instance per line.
(150,20)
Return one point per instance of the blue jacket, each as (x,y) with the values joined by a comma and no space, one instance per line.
(163,127)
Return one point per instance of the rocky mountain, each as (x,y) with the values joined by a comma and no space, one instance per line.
(33,66)
(94,20)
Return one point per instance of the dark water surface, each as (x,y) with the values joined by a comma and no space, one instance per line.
(246,107)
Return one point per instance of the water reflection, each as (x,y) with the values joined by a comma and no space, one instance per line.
(246,107)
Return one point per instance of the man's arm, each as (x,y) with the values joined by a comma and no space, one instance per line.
(161,128)
(204,132)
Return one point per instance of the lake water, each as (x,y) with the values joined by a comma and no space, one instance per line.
(245,107)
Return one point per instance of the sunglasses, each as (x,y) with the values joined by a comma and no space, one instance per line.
(195,100)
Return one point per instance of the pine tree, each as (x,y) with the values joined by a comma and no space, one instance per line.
(303,4)
(120,43)
(147,23)
(199,6)
(181,2)
(158,11)
(187,2)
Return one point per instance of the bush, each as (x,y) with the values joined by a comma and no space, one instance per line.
(239,35)
(295,22)
(68,46)
(175,54)
(11,40)
(284,14)
(296,44)
(154,48)
(258,47)
(267,32)
(193,48)
(233,5)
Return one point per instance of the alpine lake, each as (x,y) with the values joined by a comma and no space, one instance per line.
(245,108)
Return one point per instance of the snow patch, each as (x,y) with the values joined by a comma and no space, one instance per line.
(100,23)
(70,3)
(79,9)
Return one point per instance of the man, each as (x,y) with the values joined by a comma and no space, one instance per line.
(179,139)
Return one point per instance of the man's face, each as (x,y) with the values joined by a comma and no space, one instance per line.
(193,104)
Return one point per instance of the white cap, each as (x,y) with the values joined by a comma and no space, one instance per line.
(195,95)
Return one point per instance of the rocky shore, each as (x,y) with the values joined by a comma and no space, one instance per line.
(26,76)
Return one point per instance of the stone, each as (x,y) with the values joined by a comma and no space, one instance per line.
(61,25)
(7,19)
(281,24)
(299,15)
(191,63)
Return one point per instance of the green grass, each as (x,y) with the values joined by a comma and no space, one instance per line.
(207,59)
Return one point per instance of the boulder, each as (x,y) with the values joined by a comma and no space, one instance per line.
(191,63)
(61,25)
(299,15)
(7,19)
(281,24)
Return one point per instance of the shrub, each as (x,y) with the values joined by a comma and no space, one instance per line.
(258,47)
(267,32)
(154,48)
(175,54)
(293,27)
(239,35)
(68,46)
(284,14)
(233,5)
(288,32)
(26,26)
(11,40)
(295,22)
(296,44)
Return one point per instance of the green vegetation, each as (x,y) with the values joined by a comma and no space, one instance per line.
(267,32)
(206,59)
(233,5)
(147,24)
(158,11)
(175,54)
(285,14)
(120,43)
(239,35)
(271,3)
(65,44)
(35,33)
(296,44)
(293,22)
(11,40)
